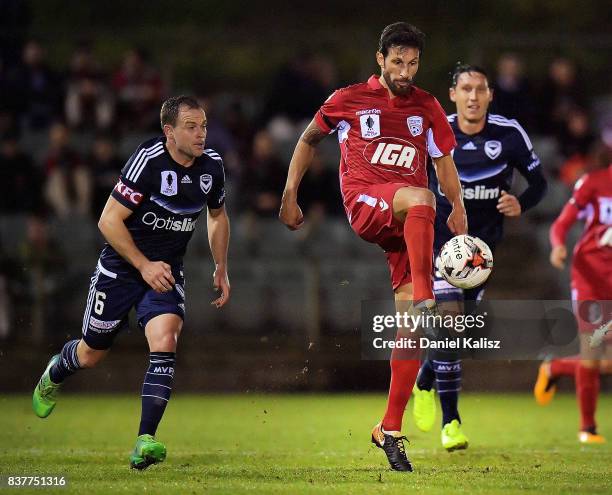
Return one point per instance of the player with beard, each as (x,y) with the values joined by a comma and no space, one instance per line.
(386,128)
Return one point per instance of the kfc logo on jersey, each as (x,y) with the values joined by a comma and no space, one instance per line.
(370,125)
(206,183)
(493,149)
(392,152)
(169,183)
(415,125)
(128,193)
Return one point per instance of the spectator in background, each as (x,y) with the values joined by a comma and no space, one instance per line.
(219,138)
(68,182)
(139,91)
(560,94)
(37,88)
(320,196)
(513,93)
(88,103)
(297,91)
(104,166)
(21,180)
(597,155)
(263,179)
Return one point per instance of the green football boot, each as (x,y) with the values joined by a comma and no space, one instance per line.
(452,436)
(45,393)
(147,451)
(424,408)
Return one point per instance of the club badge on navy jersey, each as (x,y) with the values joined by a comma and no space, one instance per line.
(206,181)
(370,125)
(169,183)
(493,149)
(415,125)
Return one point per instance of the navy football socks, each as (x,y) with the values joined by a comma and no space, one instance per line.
(68,363)
(448,382)
(156,390)
(426,376)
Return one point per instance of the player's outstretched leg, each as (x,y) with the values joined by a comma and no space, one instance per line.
(448,383)
(423,396)
(156,391)
(387,434)
(58,368)
(587,391)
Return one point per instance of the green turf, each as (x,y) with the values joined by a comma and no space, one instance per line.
(302,444)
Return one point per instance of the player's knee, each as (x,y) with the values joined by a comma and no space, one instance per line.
(407,197)
(164,343)
(605,367)
(89,357)
(590,363)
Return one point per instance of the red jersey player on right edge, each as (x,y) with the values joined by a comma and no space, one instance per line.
(591,296)
(386,128)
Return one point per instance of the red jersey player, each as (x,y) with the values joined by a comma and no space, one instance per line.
(386,129)
(591,276)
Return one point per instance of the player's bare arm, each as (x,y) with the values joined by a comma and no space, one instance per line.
(112,225)
(218,238)
(290,212)
(451,187)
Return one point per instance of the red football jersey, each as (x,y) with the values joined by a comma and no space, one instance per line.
(382,139)
(592,261)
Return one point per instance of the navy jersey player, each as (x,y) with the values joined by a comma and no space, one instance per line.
(489,150)
(147,223)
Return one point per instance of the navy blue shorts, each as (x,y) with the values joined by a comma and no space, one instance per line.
(112,296)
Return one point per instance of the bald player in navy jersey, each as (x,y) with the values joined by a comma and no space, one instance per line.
(147,223)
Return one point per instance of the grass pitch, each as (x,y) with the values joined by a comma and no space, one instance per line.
(302,444)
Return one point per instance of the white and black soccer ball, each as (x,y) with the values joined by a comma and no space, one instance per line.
(465,261)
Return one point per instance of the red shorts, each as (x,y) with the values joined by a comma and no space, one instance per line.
(370,213)
(590,310)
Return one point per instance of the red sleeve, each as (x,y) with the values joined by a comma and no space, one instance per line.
(582,192)
(564,222)
(440,136)
(331,112)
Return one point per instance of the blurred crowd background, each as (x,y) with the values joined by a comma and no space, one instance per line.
(81,85)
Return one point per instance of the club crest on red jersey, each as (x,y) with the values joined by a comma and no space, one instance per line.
(370,125)
(415,125)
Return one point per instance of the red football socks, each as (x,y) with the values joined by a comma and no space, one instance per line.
(419,236)
(587,390)
(403,375)
(564,366)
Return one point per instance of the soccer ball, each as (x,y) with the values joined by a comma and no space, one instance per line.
(465,261)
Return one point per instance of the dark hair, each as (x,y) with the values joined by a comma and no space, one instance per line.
(460,68)
(171,107)
(400,34)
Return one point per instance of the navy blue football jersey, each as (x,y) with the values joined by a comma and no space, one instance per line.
(486,162)
(166,199)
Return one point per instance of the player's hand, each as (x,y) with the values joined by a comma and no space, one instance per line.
(158,275)
(290,212)
(221,282)
(508,205)
(457,220)
(558,256)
